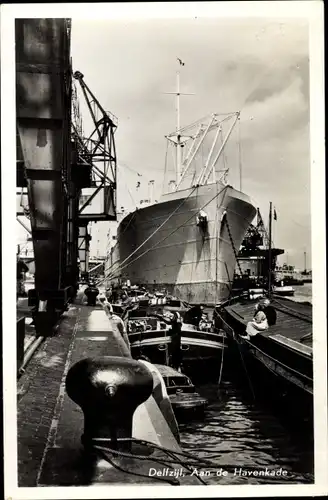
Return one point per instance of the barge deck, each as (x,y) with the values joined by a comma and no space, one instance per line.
(285,349)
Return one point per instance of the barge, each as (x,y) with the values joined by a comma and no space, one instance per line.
(284,350)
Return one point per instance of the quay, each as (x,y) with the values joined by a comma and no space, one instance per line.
(50,424)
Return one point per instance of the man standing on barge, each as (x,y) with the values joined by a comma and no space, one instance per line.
(175,345)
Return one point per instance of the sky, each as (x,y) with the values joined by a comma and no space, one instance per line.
(257,66)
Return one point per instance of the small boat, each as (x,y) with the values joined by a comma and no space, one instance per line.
(285,290)
(148,329)
(181,391)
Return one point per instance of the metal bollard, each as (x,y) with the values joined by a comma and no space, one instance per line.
(108,390)
(91,294)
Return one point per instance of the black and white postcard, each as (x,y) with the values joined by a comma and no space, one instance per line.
(163,201)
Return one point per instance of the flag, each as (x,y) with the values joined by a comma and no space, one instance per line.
(260,223)
(274,214)
(180,62)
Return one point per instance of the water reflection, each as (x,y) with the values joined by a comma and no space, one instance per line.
(242,434)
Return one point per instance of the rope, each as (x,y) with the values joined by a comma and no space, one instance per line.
(175,456)
(173,481)
(244,365)
(150,236)
(221,367)
(240,353)
(165,237)
(186,467)
(128,224)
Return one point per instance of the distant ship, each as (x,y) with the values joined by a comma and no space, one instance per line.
(187,243)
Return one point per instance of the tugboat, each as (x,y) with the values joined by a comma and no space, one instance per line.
(181,391)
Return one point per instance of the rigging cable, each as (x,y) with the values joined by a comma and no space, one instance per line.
(165,166)
(130,221)
(172,232)
(167,236)
(153,233)
(239,153)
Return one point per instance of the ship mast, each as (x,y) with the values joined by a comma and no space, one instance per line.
(177,140)
(270,250)
(178,144)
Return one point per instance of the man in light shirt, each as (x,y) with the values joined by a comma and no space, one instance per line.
(116,319)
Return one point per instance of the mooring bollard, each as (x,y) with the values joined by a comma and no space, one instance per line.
(91,293)
(108,390)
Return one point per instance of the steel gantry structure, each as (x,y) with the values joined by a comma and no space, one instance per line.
(59,171)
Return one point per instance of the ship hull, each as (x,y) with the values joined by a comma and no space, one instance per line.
(201,353)
(170,251)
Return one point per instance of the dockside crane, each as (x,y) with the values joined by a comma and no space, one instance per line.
(66,179)
(97,152)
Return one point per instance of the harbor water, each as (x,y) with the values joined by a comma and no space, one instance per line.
(246,434)
(303,293)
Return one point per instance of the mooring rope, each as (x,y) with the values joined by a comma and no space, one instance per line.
(163,239)
(119,267)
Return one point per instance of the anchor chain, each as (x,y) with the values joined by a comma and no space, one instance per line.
(225,220)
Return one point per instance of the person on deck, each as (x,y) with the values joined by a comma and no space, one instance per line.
(175,345)
(119,323)
(270,312)
(193,316)
(258,324)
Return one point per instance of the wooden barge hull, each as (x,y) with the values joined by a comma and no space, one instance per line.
(201,353)
(285,349)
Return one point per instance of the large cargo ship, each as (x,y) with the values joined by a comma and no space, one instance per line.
(187,243)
